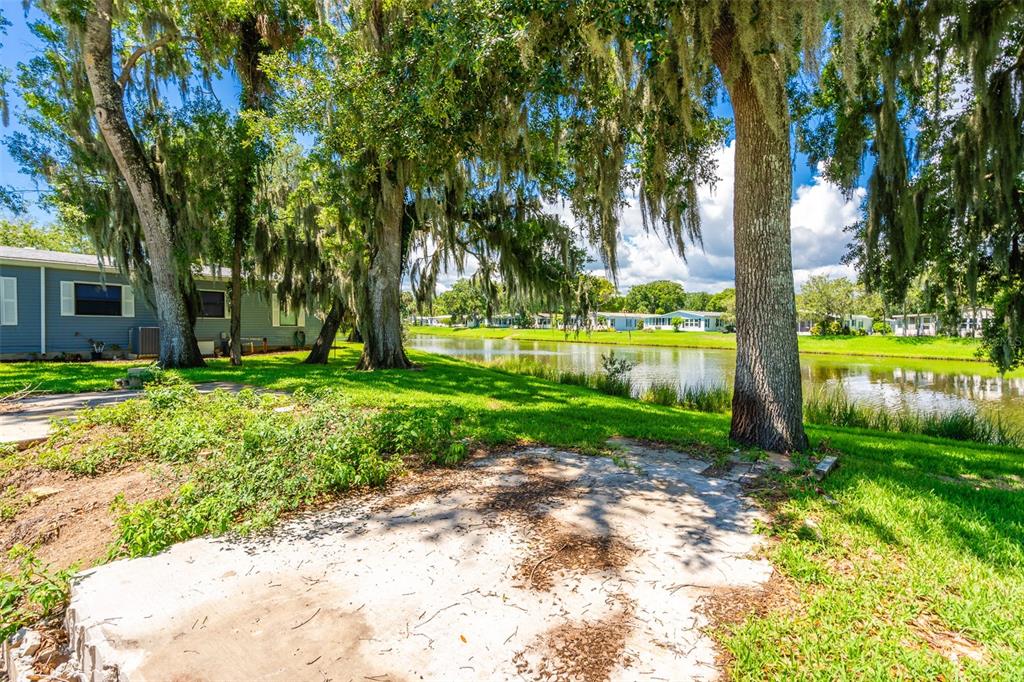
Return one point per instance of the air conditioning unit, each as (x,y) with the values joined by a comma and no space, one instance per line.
(149,341)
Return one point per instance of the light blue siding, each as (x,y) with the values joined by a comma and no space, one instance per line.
(257,322)
(25,336)
(71,333)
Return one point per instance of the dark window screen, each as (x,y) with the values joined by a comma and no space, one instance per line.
(212,303)
(94,299)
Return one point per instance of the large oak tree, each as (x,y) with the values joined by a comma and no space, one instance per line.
(420,109)
(178,346)
(638,85)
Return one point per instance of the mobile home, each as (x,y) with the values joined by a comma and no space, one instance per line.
(54,303)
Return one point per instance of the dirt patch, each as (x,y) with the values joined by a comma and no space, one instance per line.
(554,547)
(586,651)
(726,606)
(951,645)
(558,548)
(423,483)
(542,487)
(67,518)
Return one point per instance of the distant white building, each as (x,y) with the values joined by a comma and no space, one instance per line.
(430,321)
(914,324)
(501,321)
(855,323)
(972,322)
(690,321)
(859,323)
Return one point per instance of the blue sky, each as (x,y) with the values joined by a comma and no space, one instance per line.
(819,214)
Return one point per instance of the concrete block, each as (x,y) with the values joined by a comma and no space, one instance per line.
(825,466)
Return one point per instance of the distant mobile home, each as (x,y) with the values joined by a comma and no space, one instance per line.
(972,323)
(855,323)
(691,321)
(54,303)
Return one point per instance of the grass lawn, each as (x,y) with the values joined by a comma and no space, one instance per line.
(62,377)
(915,556)
(936,348)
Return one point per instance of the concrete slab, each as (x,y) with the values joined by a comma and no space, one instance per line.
(538,564)
(30,419)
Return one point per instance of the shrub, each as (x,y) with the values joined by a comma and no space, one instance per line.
(616,367)
(834,328)
(880,327)
(677,322)
(817,330)
(615,380)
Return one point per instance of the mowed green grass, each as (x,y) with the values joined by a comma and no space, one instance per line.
(62,377)
(938,348)
(921,546)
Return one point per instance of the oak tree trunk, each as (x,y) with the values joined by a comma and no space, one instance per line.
(380,320)
(178,346)
(235,333)
(241,231)
(250,49)
(767,407)
(321,350)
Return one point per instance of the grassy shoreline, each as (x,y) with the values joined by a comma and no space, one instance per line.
(915,544)
(922,348)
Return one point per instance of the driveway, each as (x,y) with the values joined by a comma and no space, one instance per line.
(533,564)
(30,419)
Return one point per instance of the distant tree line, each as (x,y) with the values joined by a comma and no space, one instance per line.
(467,300)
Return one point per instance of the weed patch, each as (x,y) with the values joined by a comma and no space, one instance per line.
(245,458)
(32,593)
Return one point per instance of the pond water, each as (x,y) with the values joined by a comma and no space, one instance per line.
(926,385)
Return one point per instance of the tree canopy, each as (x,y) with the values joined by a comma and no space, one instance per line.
(946,205)
(26,233)
(660,296)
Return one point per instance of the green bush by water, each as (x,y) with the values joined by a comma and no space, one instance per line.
(703,397)
(661,393)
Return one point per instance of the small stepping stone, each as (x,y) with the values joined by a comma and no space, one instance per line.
(825,466)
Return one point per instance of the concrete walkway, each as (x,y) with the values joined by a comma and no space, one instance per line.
(538,564)
(30,419)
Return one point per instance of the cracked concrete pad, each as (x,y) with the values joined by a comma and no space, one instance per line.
(536,564)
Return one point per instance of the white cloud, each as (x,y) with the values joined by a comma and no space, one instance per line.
(818,218)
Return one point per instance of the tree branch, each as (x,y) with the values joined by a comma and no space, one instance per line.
(129,64)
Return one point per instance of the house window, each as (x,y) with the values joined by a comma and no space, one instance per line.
(289,318)
(212,304)
(96,299)
(8,300)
